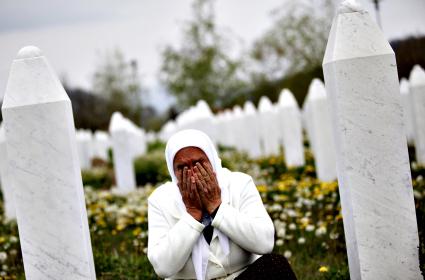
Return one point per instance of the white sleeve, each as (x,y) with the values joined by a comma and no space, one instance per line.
(249,226)
(169,247)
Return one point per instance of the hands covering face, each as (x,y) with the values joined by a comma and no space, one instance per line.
(199,189)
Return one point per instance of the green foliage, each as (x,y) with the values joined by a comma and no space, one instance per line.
(201,69)
(10,250)
(151,168)
(156,145)
(296,41)
(98,178)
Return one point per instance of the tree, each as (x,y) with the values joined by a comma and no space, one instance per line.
(201,69)
(117,80)
(296,41)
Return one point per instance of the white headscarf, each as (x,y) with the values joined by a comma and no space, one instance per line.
(196,138)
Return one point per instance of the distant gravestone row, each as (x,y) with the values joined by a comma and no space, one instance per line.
(358,128)
(264,132)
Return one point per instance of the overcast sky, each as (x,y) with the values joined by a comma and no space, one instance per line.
(72,34)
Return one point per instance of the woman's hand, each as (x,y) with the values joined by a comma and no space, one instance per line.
(189,192)
(207,187)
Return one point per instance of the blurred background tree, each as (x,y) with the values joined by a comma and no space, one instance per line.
(201,67)
(290,53)
(117,80)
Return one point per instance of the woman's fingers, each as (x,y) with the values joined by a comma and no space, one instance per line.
(203,172)
(195,193)
(211,173)
(188,181)
(201,180)
(184,176)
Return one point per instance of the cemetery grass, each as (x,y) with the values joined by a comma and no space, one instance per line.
(306,214)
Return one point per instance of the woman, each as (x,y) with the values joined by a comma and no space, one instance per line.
(209,222)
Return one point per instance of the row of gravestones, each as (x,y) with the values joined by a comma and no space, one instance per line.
(371,154)
(263,132)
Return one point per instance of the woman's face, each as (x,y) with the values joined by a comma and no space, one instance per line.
(188,157)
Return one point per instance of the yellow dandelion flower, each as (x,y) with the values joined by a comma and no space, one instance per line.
(323,269)
(120,227)
(139,219)
(137,231)
(262,188)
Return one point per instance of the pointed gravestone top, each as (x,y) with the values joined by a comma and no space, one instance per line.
(265,105)
(316,90)
(169,126)
(32,81)
(350,6)
(404,86)
(29,52)
(417,76)
(287,99)
(101,135)
(249,108)
(237,110)
(203,108)
(357,37)
(116,122)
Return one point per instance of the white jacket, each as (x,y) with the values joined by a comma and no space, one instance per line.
(241,217)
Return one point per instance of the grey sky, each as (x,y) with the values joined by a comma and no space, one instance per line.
(73,33)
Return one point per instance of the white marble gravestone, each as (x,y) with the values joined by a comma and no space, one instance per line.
(84,147)
(42,153)
(417,93)
(318,121)
(203,119)
(373,164)
(128,142)
(269,131)
(6,180)
(168,129)
(250,123)
(101,144)
(407,110)
(291,130)
(238,129)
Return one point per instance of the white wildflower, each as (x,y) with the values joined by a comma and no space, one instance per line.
(279,242)
(3,256)
(320,231)
(287,254)
(309,228)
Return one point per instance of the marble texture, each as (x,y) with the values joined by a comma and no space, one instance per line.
(372,159)
(6,180)
(406,102)
(42,154)
(417,93)
(291,130)
(319,124)
(269,131)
